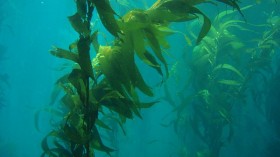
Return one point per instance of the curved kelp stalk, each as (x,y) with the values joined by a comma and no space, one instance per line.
(109,81)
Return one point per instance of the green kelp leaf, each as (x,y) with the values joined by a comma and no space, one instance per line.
(74,135)
(134,20)
(202,57)
(62,80)
(154,62)
(155,45)
(77,78)
(120,106)
(45,146)
(161,32)
(125,4)
(139,82)
(225,114)
(97,142)
(100,90)
(84,56)
(265,46)
(271,43)
(73,47)
(121,120)
(233,4)
(164,16)
(229,67)
(142,53)
(56,92)
(79,24)
(64,67)
(139,45)
(104,61)
(112,95)
(116,64)
(171,11)
(148,104)
(206,24)
(235,45)
(113,100)
(75,119)
(68,101)
(106,14)
(94,41)
(205,95)
(51,110)
(102,124)
(62,152)
(222,14)
(223,26)
(230,82)
(57,144)
(135,103)
(61,53)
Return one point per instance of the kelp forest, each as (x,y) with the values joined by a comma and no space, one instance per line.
(131,78)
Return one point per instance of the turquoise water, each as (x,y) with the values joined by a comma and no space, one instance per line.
(200,112)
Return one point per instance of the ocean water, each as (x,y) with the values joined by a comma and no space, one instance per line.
(220,99)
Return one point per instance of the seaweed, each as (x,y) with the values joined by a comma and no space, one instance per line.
(110,80)
(214,87)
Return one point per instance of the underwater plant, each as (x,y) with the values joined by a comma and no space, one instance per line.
(264,69)
(261,63)
(225,74)
(213,87)
(272,110)
(109,81)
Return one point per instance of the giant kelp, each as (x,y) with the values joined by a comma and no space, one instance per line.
(214,87)
(226,73)
(264,77)
(111,79)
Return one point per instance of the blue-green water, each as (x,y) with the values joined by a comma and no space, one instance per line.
(220,96)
